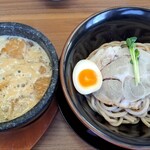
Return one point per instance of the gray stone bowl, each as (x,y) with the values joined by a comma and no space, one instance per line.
(25,31)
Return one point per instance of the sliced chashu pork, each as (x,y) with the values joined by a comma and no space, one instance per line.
(118,86)
(103,56)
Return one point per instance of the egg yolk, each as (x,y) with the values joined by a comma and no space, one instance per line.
(87,78)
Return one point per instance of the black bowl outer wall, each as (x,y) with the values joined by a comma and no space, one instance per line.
(25,31)
(112,25)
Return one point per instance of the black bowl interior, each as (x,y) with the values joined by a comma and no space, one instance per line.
(25,31)
(115,24)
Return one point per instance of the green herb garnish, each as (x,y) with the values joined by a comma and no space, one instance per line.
(134,57)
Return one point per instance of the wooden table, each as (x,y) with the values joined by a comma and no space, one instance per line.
(57,19)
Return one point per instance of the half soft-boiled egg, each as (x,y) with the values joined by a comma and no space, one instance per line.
(87,77)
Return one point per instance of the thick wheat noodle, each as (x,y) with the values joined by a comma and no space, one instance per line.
(129,118)
(91,101)
(142,111)
(146,121)
(114,120)
(108,118)
(119,122)
(111,108)
(113,114)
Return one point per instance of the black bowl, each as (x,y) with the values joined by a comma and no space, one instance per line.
(111,25)
(25,31)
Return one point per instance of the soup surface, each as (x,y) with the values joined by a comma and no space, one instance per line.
(25,73)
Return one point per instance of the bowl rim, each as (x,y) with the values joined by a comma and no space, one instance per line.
(64,88)
(34,112)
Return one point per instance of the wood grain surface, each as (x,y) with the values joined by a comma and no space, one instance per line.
(57,19)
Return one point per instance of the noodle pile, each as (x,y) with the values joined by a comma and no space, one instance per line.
(119,112)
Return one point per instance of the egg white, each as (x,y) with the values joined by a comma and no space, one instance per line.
(82,65)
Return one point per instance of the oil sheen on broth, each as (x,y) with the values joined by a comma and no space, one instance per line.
(25,73)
